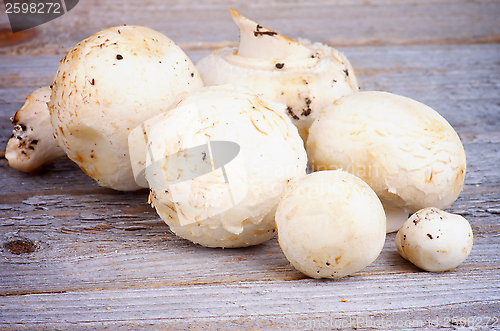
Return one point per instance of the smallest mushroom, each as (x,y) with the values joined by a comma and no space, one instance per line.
(435,240)
(32,144)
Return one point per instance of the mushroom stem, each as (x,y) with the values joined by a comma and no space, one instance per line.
(395,217)
(32,144)
(259,42)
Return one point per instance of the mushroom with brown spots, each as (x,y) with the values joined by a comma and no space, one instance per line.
(435,240)
(107,85)
(32,144)
(303,75)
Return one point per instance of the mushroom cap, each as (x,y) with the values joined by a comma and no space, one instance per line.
(32,144)
(306,77)
(232,204)
(435,240)
(107,85)
(330,224)
(408,153)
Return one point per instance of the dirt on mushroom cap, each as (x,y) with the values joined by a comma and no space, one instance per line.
(107,85)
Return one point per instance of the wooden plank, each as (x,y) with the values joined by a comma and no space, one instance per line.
(117,241)
(373,293)
(340,22)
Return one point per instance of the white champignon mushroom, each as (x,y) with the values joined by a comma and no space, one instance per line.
(330,224)
(435,240)
(408,153)
(203,191)
(32,144)
(107,85)
(304,76)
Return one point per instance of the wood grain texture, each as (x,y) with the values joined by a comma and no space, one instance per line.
(103,259)
(338,22)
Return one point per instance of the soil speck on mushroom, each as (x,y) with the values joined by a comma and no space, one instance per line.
(281,69)
(451,249)
(114,96)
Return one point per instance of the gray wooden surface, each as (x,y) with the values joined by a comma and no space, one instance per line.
(77,256)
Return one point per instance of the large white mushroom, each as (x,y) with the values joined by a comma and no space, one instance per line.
(217,163)
(435,240)
(408,153)
(107,85)
(304,76)
(32,144)
(330,224)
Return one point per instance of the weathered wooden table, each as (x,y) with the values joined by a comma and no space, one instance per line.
(77,256)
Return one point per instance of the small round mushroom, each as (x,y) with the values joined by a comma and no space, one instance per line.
(218,162)
(304,76)
(408,153)
(32,144)
(330,224)
(107,85)
(435,240)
